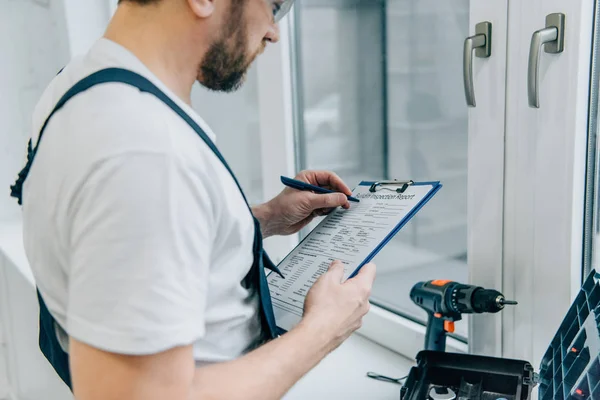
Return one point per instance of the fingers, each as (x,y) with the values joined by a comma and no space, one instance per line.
(336,271)
(326,179)
(331,200)
(366,275)
(323,211)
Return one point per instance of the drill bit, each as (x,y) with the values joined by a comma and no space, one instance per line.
(503,302)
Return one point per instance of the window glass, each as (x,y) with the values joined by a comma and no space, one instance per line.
(379,96)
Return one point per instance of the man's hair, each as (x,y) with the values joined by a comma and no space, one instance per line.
(142,2)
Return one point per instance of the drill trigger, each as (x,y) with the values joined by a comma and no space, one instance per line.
(449,326)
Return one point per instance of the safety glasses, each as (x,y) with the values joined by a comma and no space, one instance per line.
(281,8)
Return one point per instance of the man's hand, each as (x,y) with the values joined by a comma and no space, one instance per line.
(335,308)
(293,209)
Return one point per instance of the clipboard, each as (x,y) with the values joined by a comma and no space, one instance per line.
(285,299)
(404,185)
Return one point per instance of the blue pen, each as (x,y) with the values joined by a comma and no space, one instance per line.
(306,186)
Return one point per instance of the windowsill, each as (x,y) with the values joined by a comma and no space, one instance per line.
(342,375)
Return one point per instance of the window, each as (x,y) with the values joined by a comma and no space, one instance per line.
(379,96)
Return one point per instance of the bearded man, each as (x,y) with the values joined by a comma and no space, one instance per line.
(148,259)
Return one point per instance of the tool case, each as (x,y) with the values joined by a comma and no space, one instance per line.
(569,370)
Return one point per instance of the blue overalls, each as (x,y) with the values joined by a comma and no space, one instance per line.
(255,278)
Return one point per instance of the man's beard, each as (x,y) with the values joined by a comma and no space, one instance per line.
(225,63)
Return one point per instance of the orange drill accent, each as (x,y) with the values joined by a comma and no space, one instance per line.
(449,326)
(574,350)
(439,282)
(579,392)
(437,315)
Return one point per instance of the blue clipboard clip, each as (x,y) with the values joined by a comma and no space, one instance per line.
(382,185)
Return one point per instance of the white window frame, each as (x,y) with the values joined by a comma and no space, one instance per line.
(486,173)
(276,128)
(546,150)
(486,152)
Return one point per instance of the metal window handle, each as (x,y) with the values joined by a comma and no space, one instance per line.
(482,44)
(553,39)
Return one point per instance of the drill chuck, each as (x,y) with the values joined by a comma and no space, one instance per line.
(488,301)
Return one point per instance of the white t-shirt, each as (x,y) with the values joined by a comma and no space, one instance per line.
(137,235)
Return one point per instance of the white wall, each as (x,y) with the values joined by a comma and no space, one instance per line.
(33,47)
(234,118)
(86,21)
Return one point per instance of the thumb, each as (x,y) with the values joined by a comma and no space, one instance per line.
(330,200)
(366,275)
(336,271)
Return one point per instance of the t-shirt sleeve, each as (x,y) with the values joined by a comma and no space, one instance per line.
(141,233)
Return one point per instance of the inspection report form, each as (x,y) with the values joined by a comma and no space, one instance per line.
(351,236)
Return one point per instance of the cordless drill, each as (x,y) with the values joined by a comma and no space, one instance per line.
(446,301)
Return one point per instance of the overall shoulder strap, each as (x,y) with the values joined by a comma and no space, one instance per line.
(117,75)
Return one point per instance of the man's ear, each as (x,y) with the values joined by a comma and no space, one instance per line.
(202,8)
